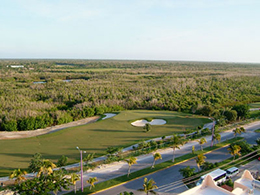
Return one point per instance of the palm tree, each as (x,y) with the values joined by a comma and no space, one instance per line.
(89,158)
(193,150)
(236,132)
(91,181)
(74,178)
(46,168)
(149,186)
(176,142)
(217,137)
(156,157)
(57,178)
(18,174)
(242,130)
(130,162)
(201,142)
(234,150)
(200,160)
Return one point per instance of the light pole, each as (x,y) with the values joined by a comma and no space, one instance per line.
(213,132)
(81,167)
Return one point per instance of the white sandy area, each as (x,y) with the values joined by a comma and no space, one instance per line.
(108,115)
(141,123)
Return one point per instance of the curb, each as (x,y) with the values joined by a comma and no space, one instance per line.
(154,172)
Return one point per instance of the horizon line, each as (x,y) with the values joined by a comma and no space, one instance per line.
(100,59)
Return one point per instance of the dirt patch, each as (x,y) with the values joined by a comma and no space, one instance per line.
(33,133)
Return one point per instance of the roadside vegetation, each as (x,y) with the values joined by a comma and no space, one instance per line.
(148,170)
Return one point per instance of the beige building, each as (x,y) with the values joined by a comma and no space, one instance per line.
(243,186)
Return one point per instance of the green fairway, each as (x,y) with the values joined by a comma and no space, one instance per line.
(94,137)
(255,105)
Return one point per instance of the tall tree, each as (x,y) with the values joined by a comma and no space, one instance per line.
(43,184)
(239,131)
(74,178)
(176,142)
(234,150)
(46,168)
(62,161)
(130,162)
(200,160)
(147,127)
(36,163)
(156,157)
(242,111)
(89,157)
(18,174)
(193,150)
(217,137)
(148,186)
(201,142)
(91,181)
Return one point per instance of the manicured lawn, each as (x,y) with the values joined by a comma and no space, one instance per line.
(258,130)
(255,105)
(94,137)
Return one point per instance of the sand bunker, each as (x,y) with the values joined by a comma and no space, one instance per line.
(108,115)
(141,123)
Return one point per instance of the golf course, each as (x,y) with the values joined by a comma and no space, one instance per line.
(93,138)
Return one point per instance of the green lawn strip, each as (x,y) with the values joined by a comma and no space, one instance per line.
(258,130)
(143,172)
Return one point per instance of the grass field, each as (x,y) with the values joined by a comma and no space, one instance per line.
(255,105)
(94,137)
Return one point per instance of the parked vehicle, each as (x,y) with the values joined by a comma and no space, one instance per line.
(231,172)
(218,176)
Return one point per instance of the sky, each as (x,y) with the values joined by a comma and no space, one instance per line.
(189,30)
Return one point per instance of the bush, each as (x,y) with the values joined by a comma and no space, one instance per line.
(26,123)
(242,111)
(187,171)
(245,147)
(62,161)
(9,125)
(231,115)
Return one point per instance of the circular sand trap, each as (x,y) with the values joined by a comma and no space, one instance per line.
(141,123)
(108,115)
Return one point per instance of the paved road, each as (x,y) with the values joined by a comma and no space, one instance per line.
(165,178)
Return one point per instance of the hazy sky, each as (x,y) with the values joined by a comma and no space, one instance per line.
(208,30)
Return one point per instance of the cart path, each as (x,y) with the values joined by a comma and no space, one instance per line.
(33,133)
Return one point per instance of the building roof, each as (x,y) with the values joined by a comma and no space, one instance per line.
(242,186)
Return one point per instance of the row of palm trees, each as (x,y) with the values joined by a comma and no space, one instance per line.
(133,160)
(233,149)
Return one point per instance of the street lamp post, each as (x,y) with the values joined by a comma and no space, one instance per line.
(81,167)
(213,133)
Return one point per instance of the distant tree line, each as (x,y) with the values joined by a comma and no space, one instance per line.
(76,89)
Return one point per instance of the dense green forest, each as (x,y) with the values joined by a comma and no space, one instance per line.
(50,92)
